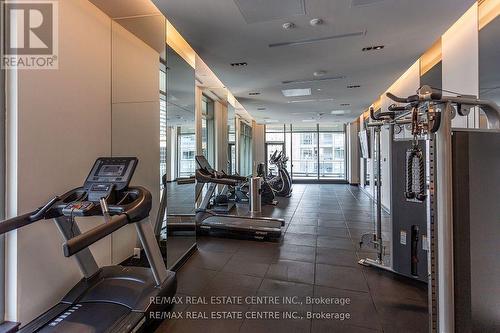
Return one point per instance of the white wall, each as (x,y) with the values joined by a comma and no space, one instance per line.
(198,95)
(64,123)
(221,136)
(353,158)
(460,48)
(135,120)
(60,121)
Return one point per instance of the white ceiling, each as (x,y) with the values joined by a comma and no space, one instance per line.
(220,34)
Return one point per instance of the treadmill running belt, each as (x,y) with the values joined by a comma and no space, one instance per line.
(87,318)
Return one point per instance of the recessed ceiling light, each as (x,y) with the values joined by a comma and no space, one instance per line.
(288,25)
(271,120)
(239,64)
(373,48)
(354,86)
(309,120)
(319,89)
(254,93)
(319,73)
(296,92)
(316,21)
(338,112)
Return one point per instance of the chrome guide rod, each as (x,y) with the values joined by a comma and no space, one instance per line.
(444,223)
(431,231)
(379,196)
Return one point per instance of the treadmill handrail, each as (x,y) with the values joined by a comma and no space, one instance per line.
(28,218)
(135,212)
(78,243)
(204,177)
(16,223)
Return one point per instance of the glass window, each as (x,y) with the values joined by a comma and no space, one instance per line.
(317,151)
(208,129)
(275,133)
(231,150)
(275,141)
(163,135)
(187,150)
(271,148)
(304,155)
(332,155)
(245,149)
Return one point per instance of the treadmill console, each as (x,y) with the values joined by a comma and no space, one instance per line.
(109,174)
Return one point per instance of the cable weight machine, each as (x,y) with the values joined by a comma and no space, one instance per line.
(461,194)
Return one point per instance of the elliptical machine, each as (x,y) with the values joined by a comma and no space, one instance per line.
(281,184)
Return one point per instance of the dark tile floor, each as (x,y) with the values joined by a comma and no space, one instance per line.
(316,257)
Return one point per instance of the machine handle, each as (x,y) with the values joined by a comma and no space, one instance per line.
(15,223)
(381,115)
(78,243)
(236,177)
(396,108)
(40,213)
(410,99)
(26,219)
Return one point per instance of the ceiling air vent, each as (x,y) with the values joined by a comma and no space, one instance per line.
(361,3)
(261,109)
(315,40)
(373,48)
(345,104)
(330,78)
(254,93)
(354,86)
(239,64)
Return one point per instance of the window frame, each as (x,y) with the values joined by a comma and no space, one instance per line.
(180,151)
(318,129)
(3,112)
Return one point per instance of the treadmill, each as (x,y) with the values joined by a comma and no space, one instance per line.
(111,298)
(259,228)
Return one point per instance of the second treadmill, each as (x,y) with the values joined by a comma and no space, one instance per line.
(260,228)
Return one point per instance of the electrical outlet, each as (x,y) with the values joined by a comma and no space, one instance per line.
(402,237)
(137,253)
(425,243)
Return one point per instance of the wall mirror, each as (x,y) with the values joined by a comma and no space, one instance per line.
(153,119)
(178,156)
(138,47)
